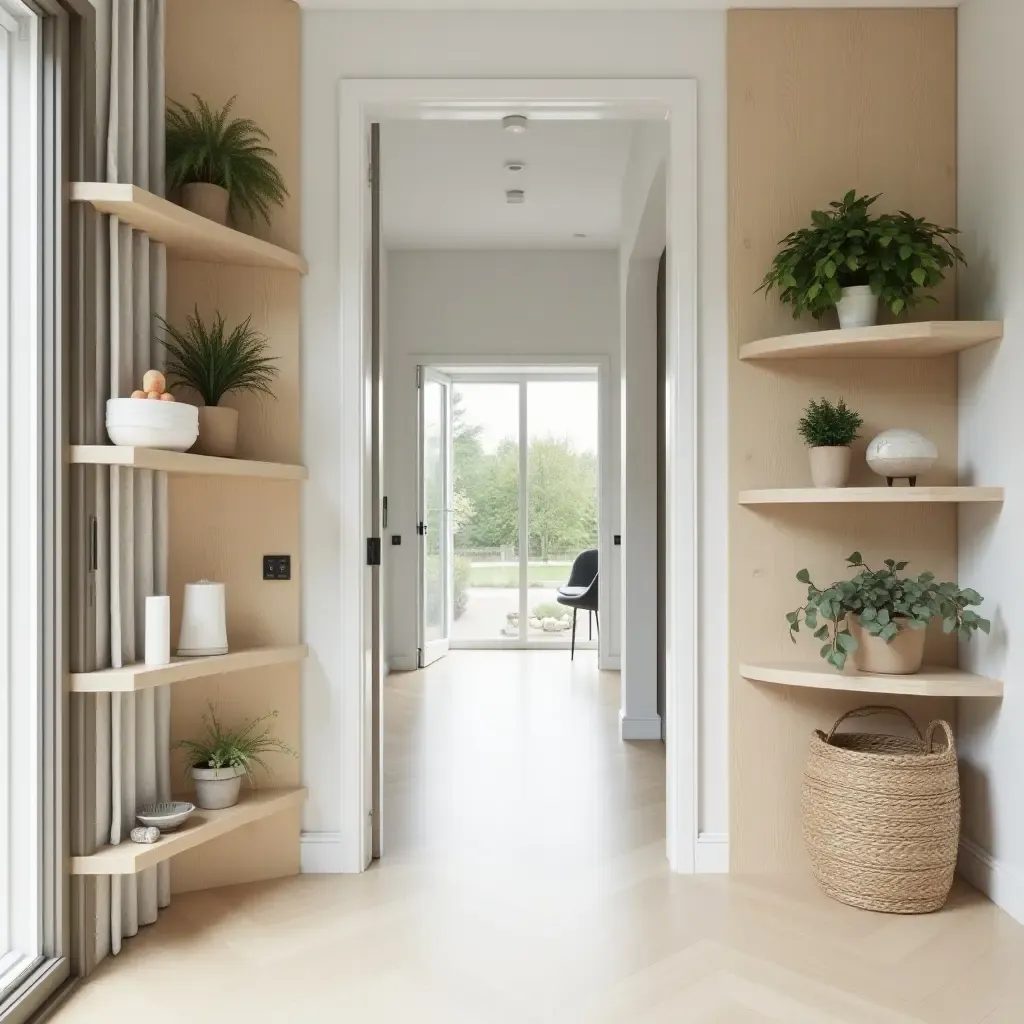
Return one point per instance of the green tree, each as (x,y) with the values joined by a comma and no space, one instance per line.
(562,497)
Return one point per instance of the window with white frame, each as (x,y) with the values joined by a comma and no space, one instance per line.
(21,257)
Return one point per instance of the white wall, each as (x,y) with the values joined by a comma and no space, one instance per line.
(487,304)
(402,45)
(991,211)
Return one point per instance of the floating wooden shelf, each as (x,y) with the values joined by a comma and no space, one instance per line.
(934,681)
(186,235)
(181,462)
(870,495)
(141,677)
(130,858)
(892,341)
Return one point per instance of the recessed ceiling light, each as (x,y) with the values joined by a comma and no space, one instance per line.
(515,166)
(578,234)
(514,123)
(515,195)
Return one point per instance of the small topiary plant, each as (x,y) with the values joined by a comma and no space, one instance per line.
(885,603)
(824,425)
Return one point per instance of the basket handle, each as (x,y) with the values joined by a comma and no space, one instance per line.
(930,735)
(880,709)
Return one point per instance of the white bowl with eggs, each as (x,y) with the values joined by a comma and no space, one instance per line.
(147,423)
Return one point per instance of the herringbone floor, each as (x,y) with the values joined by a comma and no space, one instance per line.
(524,881)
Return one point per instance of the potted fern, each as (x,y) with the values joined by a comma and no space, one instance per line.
(222,757)
(214,361)
(829,430)
(879,617)
(221,163)
(851,259)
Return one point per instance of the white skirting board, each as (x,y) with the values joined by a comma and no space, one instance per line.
(403,663)
(712,855)
(320,853)
(639,728)
(610,663)
(1005,888)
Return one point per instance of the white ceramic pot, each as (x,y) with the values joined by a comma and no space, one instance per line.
(217,788)
(857,307)
(203,621)
(902,656)
(830,466)
(209,201)
(140,423)
(218,431)
(901,452)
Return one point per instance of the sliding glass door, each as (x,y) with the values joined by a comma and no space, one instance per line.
(524,504)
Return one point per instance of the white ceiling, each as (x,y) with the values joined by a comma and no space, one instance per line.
(599,5)
(444,183)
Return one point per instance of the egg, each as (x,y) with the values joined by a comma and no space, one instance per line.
(138,394)
(154,395)
(167,397)
(153,380)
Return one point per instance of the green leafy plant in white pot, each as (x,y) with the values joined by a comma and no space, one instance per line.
(853,260)
(222,757)
(215,361)
(828,431)
(220,163)
(879,616)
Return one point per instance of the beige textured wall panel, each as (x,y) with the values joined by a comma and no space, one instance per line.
(821,102)
(220,529)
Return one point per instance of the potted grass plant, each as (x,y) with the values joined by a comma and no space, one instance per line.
(221,757)
(829,430)
(851,259)
(221,164)
(879,616)
(214,361)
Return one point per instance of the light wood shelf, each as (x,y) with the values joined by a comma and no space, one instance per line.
(131,678)
(871,495)
(931,681)
(130,858)
(890,341)
(186,234)
(181,462)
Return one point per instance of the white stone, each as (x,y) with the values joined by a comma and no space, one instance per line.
(142,834)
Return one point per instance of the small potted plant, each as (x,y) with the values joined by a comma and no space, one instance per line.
(219,760)
(220,163)
(850,259)
(214,361)
(828,431)
(879,617)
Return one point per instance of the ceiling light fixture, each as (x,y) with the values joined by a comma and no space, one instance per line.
(515,195)
(514,123)
(578,234)
(515,166)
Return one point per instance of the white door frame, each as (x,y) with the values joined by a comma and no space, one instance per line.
(362,101)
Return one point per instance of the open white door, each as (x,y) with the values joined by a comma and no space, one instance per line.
(436,525)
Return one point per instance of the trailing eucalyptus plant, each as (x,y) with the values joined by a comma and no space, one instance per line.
(885,603)
(824,425)
(846,246)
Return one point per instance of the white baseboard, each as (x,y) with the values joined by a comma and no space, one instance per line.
(403,662)
(321,853)
(610,663)
(712,854)
(639,728)
(1000,884)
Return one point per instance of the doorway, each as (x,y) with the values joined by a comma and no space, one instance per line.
(508,505)
(675,102)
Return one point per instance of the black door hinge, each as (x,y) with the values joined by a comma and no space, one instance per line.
(421,529)
(373,550)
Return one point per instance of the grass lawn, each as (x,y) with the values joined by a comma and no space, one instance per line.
(507,575)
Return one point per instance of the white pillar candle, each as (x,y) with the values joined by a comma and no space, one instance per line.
(158,631)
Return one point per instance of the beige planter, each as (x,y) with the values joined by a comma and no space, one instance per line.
(218,431)
(901,657)
(830,466)
(209,201)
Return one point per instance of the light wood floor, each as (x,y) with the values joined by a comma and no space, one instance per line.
(524,881)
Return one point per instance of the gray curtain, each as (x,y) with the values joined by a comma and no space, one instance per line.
(129,733)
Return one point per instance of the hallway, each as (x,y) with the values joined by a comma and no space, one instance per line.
(524,880)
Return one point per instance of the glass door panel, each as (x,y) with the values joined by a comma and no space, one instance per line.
(485,504)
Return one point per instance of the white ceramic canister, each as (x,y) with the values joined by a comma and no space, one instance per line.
(203,621)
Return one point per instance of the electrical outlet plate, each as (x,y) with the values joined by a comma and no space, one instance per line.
(277,567)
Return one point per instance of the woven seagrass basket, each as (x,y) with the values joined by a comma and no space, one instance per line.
(881,815)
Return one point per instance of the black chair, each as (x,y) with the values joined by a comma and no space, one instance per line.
(580,593)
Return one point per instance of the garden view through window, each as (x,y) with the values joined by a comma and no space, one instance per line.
(517,533)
